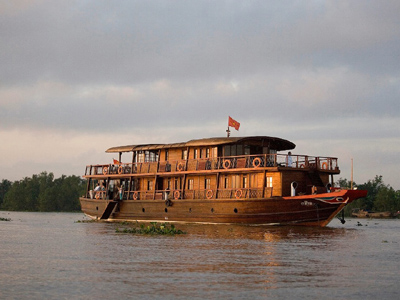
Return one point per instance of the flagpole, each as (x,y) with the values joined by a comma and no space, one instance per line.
(228,132)
(351,182)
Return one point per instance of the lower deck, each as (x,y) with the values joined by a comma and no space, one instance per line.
(276,210)
(232,185)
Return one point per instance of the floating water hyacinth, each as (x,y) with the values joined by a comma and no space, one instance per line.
(153,228)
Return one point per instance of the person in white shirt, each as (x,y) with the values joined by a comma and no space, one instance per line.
(289,160)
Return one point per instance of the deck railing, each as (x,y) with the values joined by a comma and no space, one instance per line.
(219,163)
(239,193)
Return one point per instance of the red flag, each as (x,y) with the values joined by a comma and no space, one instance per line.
(116,162)
(233,123)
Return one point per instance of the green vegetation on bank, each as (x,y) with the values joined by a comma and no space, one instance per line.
(380,197)
(42,193)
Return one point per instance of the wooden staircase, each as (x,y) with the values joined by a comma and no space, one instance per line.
(109,209)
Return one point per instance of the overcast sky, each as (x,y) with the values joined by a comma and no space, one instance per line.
(78,77)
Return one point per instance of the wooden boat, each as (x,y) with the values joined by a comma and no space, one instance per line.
(243,180)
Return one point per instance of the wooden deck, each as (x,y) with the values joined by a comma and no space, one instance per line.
(231,163)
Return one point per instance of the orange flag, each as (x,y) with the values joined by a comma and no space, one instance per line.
(116,162)
(233,123)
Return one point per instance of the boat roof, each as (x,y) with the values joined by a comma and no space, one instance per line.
(265,141)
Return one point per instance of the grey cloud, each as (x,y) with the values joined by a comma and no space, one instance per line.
(180,68)
(138,41)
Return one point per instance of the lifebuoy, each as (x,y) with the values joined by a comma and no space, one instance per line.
(256,162)
(181,166)
(238,193)
(105,170)
(120,169)
(135,195)
(177,194)
(209,194)
(227,164)
(324,165)
(97,196)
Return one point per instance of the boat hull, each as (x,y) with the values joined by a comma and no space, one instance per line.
(313,210)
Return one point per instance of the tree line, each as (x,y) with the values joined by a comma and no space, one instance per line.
(380,197)
(42,193)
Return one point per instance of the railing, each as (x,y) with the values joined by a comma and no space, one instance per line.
(239,193)
(220,163)
(100,195)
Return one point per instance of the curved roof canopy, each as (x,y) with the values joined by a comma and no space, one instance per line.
(264,141)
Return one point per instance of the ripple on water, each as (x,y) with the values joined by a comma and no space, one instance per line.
(50,255)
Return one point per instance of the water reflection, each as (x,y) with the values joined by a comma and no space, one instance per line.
(51,256)
(213,257)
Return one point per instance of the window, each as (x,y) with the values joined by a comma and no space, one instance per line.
(227,150)
(247,150)
(236,182)
(201,153)
(207,152)
(146,156)
(268,181)
(215,152)
(135,184)
(184,154)
(166,155)
(149,185)
(226,182)
(239,150)
(195,154)
(245,182)
(190,184)
(253,181)
(207,183)
(150,156)
(140,156)
(177,184)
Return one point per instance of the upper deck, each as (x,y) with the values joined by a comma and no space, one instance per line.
(235,154)
(245,163)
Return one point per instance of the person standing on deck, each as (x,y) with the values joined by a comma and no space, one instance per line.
(121,192)
(289,160)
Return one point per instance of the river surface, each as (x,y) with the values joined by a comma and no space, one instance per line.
(53,256)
